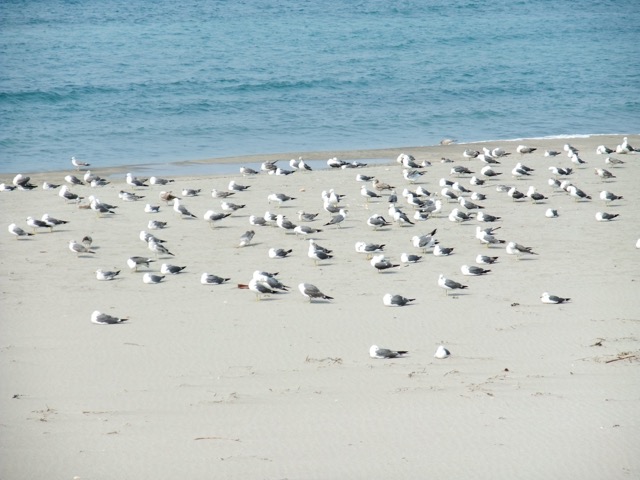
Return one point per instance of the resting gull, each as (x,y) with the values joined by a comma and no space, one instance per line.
(390,300)
(105,319)
(106,275)
(18,232)
(442,352)
(377,352)
(546,297)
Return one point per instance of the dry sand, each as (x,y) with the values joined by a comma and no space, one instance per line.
(207,382)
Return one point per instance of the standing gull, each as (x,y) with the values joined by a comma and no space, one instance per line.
(135,262)
(181,209)
(448,284)
(18,232)
(518,250)
(78,164)
(311,292)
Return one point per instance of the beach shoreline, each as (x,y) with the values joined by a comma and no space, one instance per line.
(205,380)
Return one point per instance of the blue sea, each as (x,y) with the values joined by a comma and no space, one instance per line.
(117,82)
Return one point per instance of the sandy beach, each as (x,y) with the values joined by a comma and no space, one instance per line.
(206,381)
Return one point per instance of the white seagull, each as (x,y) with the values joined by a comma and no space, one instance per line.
(546,297)
(442,352)
(390,300)
(377,352)
(311,291)
(105,319)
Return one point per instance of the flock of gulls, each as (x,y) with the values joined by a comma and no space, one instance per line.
(413,196)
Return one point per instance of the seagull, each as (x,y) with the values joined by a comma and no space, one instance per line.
(268,166)
(317,254)
(78,164)
(246,171)
(363,178)
(305,230)
(577,194)
(181,209)
(401,218)
(246,238)
(230,207)
(221,193)
(535,196)
(52,222)
(368,194)
(190,192)
(468,153)
(606,217)
(411,176)
(22,182)
(167,197)
(460,170)
(150,278)
(609,197)
(409,258)
(257,221)
(311,292)
(487,171)
(73,180)
(129,196)
(603,150)
(270,280)
(458,217)
(523,149)
(306,217)
(575,158)
(335,163)
(280,198)
(424,242)
(10,188)
(212,217)
(396,300)
(369,248)
(514,193)
(78,248)
(485,217)
(259,288)
(469,205)
(157,247)
(279,252)
(475,181)
(448,284)
(284,223)
(100,208)
(558,171)
(486,236)
(486,260)
(134,262)
(380,263)
(460,188)
(151,208)
(18,232)
(65,193)
(516,249)
(235,187)
(551,213)
(604,174)
(473,271)
(439,251)
(105,319)
(159,181)
(211,279)
(106,275)
(377,352)
(377,221)
(380,186)
(442,352)
(614,162)
(135,181)
(548,298)
(169,269)
(551,153)
(337,219)
(35,223)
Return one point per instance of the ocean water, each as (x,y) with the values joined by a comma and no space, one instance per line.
(119,82)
